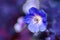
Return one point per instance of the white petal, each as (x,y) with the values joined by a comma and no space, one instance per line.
(33,27)
(17,27)
(42,27)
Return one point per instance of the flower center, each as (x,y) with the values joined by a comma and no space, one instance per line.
(37,19)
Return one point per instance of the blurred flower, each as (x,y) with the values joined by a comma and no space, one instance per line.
(36,20)
(20,20)
(30,3)
(19,26)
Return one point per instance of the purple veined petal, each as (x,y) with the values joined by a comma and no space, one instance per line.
(28,18)
(44,16)
(42,13)
(33,10)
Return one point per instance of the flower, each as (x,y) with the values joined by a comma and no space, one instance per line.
(20,25)
(36,20)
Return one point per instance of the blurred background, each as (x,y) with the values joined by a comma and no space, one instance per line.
(11,10)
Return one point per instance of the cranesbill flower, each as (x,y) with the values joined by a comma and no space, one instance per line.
(36,20)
